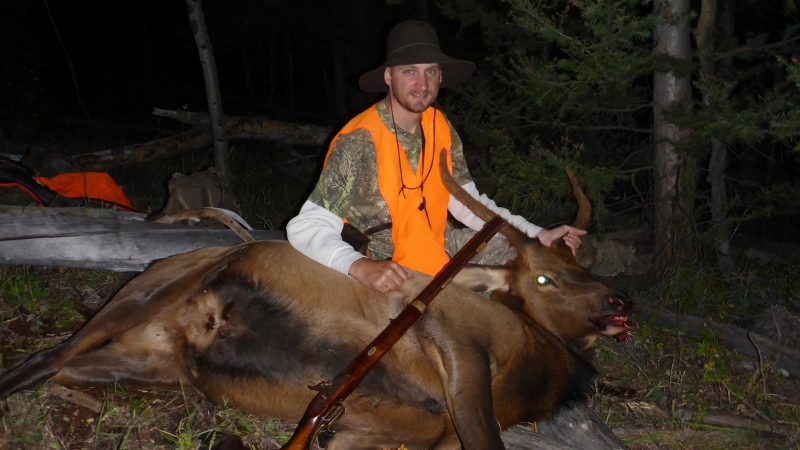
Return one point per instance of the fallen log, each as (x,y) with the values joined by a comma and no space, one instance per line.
(260,128)
(523,438)
(116,244)
(757,348)
(579,426)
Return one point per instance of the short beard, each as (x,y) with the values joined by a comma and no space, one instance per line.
(415,107)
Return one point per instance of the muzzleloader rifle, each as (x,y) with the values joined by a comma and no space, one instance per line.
(327,406)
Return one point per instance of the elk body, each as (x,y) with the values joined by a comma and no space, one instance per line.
(254,325)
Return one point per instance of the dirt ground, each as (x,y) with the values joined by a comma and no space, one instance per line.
(656,390)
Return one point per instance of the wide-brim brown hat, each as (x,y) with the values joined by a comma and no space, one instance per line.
(415,42)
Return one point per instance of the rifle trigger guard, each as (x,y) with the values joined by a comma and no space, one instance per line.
(327,423)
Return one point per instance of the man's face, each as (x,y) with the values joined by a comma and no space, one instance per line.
(414,87)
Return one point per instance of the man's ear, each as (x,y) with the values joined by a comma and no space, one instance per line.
(387,76)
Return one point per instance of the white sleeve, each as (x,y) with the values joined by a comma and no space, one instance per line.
(317,233)
(465,216)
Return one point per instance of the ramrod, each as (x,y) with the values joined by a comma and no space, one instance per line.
(254,325)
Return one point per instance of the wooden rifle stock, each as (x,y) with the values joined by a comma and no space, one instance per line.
(327,407)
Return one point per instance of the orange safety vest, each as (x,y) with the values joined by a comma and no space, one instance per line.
(418,245)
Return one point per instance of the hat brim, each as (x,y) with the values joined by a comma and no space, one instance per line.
(454,71)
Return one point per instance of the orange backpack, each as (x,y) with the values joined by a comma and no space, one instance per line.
(91,189)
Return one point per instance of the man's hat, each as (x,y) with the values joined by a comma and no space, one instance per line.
(415,42)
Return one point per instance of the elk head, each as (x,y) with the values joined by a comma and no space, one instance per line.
(546,283)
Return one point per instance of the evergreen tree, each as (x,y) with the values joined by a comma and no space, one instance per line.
(572,82)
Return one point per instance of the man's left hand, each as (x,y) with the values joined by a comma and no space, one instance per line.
(571,235)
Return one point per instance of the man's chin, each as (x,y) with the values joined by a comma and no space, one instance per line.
(417,106)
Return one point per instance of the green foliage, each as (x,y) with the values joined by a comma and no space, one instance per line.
(22,291)
(536,186)
(696,288)
(566,84)
(569,82)
(713,355)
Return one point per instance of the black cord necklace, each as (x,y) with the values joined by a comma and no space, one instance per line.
(421,187)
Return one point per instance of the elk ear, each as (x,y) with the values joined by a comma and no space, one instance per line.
(587,253)
(478,278)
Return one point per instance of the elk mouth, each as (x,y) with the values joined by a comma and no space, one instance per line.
(616,325)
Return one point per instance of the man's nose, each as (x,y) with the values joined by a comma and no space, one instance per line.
(422,82)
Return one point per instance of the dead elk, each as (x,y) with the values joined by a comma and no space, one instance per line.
(253,325)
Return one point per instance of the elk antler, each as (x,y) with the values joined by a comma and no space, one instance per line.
(584,215)
(516,238)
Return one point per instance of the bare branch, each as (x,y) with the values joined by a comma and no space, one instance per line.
(749,48)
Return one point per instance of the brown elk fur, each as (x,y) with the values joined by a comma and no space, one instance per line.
(255,324)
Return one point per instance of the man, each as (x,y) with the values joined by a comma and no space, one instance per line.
(381,173)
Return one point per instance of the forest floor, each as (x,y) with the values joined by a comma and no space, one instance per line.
(656,390)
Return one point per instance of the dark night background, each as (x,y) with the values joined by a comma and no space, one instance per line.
(131,56)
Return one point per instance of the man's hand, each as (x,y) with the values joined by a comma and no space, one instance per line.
(382,276)
(571,235)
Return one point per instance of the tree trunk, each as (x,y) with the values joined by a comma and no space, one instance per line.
(704,36)
(670,91)
(212,86)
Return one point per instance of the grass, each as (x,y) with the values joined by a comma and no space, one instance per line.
(699,393)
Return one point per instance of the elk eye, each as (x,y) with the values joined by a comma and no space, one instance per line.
(542,280)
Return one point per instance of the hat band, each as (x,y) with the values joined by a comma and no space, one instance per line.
(411,45)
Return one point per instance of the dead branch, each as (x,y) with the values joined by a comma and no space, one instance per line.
(259,128)
(750,48)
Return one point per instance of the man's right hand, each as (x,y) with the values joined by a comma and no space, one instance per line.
(382,276)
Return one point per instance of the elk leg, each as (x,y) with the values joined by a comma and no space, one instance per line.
(389,424)
(143,298)
(115,363)
(467,383)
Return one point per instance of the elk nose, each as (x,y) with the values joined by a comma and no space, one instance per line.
(621,301)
